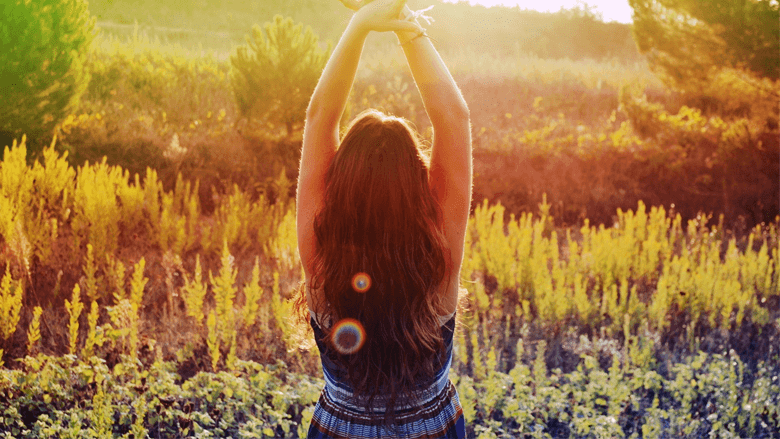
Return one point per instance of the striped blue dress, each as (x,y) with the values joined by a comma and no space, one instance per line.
(438,414)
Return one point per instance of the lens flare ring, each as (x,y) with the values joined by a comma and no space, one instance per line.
(348,336)
(361,282)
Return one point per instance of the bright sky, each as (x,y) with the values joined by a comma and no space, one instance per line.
(611,10)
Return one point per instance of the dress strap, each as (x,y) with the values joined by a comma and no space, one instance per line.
(444,319)
(320,317)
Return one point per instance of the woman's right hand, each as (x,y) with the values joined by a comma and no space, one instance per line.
(381,15)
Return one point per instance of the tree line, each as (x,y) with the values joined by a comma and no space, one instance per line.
(575,34)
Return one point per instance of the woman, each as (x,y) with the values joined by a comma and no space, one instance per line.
(381,231)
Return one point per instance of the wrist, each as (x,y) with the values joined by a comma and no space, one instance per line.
(405,35)
(358,27)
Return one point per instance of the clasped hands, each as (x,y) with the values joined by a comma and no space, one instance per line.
(386,15)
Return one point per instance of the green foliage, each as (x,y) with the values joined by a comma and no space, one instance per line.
(45,44)
(101,416)
(688,40)
(274,75)
(87,399)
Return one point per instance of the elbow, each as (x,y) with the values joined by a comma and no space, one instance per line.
(320,111)
(458,109)
(462,110)
(313,110)
(318,106)
(318,114)
(457,112)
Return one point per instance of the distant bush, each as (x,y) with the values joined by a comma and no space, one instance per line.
(274,75)
(41,65)
(158,106)
(687,42)
(721,158)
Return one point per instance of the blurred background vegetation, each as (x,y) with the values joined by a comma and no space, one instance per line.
(574,34)
(684,116)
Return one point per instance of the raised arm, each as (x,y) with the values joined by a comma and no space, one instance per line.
(321,132)
(450,173)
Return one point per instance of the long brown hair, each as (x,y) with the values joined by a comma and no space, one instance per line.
(380,218)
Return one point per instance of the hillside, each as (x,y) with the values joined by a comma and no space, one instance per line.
(574,34)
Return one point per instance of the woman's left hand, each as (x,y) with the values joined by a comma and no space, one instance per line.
(381,15)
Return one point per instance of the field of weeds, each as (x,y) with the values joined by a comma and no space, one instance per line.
(621,270)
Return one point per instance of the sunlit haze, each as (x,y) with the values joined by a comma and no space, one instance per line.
(610,10)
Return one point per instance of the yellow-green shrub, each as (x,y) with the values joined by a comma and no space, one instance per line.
(90,274)
(131,203)
(94,336)
(284,245)
(74,307)
(193,293)
(125,315)
(34,330)
(11,292)
(173,216)
(224,297)
(252,294)
(97,217)
(137,284)
(240,222)
(34,201)
(639,268)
